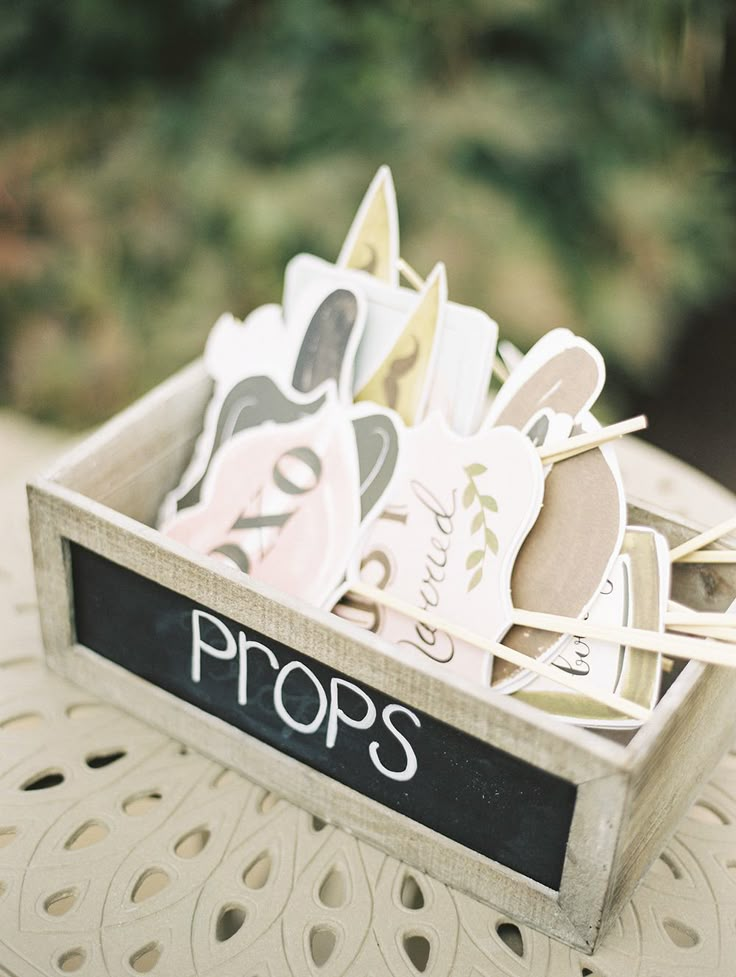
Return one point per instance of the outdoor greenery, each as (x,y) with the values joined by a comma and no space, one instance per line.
(161,161)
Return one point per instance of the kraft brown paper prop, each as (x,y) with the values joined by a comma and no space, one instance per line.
(569,551)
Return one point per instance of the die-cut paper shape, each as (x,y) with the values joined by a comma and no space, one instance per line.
(328,326)
(256,401)
(569,554)
(458,379)
(372,243)
(401,382)
(452,524)
(282,503)
(253,362)
(635,594)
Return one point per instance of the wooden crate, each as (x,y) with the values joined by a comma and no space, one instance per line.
(552,824)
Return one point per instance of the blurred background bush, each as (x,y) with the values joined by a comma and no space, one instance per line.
(572,163)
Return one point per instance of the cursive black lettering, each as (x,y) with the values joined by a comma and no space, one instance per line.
(442,515)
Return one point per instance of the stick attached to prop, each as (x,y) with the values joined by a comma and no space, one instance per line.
(709,652)
(593,439)
(709,556)
(703,650)
(703,539)
(413,277)
(607,699)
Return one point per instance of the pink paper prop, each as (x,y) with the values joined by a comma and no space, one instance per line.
(282,503)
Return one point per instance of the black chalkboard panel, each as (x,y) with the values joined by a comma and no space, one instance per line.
(483,798)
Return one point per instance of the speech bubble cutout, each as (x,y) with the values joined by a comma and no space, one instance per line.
(454,519)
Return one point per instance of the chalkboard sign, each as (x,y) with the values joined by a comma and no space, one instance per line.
(485,799)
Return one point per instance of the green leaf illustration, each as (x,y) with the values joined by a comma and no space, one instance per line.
(475,579)
(472,499)
(474,559)
(491,540)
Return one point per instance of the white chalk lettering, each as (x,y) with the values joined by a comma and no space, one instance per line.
(337,715)
(411,758)
(244,646)
(335,705)
(278,700)
(199,646)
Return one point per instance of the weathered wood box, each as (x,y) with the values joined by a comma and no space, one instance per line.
(552,824)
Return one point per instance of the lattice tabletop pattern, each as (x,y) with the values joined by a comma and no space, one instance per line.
(123,852)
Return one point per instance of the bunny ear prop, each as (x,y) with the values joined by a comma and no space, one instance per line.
(377,442)
(372,243)
(401,382)
(562,373)
(568,554)
(250,403)
(333,331)
(580,529)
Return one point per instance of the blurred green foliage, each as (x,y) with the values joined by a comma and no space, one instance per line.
(161,161)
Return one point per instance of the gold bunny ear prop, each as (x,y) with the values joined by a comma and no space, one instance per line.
(402,380)
(372,243)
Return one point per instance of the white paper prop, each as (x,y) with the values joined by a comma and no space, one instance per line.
(634,595)
(455,516)
(466,340)
(236,349)
(318,343)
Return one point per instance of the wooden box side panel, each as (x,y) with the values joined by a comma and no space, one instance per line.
(667,782)
(573,916)
(673,755)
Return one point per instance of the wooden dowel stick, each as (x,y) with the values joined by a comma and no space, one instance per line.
(705,631)
(610,700)
(592,439)
(682,618)
(500,369)
(703,539)
(709,619)
(703,650)
(709,556)
(414,278)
